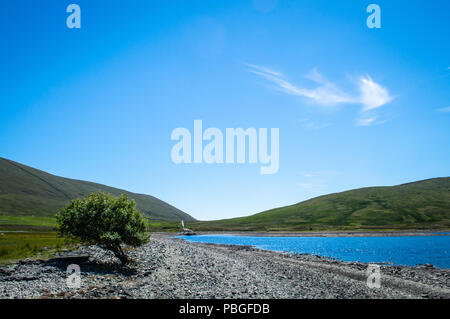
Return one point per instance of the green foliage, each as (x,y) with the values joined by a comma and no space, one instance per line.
(104,220)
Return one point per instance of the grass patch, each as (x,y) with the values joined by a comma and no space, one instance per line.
(27,223)
(15,246)
(164,226)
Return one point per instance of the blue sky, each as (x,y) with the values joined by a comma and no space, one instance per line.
(355,106)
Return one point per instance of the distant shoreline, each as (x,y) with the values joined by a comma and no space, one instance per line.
(330,233)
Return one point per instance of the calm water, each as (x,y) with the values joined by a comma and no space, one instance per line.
(408,250)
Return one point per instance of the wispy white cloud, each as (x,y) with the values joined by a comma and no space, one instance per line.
(315,126)
(369,120)
(371,95)
(444,109)
(307,123)
(366,121)
(325,93)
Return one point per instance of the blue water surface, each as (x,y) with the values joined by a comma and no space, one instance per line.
(399,250)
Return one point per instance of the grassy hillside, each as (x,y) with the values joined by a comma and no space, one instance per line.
(25,191)
(423,204)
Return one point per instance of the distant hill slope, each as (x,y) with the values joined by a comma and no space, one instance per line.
(413,205)
(28,191)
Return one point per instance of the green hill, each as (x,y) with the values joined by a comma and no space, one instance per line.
(25,191)
(423,204)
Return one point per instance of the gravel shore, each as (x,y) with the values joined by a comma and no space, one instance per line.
(172,268)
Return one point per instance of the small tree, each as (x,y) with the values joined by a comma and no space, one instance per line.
(106,221)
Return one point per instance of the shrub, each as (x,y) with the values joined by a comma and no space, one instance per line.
(104,220)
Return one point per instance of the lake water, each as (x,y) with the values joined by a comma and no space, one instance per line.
(401,250)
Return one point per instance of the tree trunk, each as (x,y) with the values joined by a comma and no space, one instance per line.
(118,252)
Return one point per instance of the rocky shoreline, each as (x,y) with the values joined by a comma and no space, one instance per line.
(172,268)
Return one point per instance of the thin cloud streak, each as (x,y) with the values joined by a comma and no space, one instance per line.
(325,94)
(369,121)
(371,94)
(444,109)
